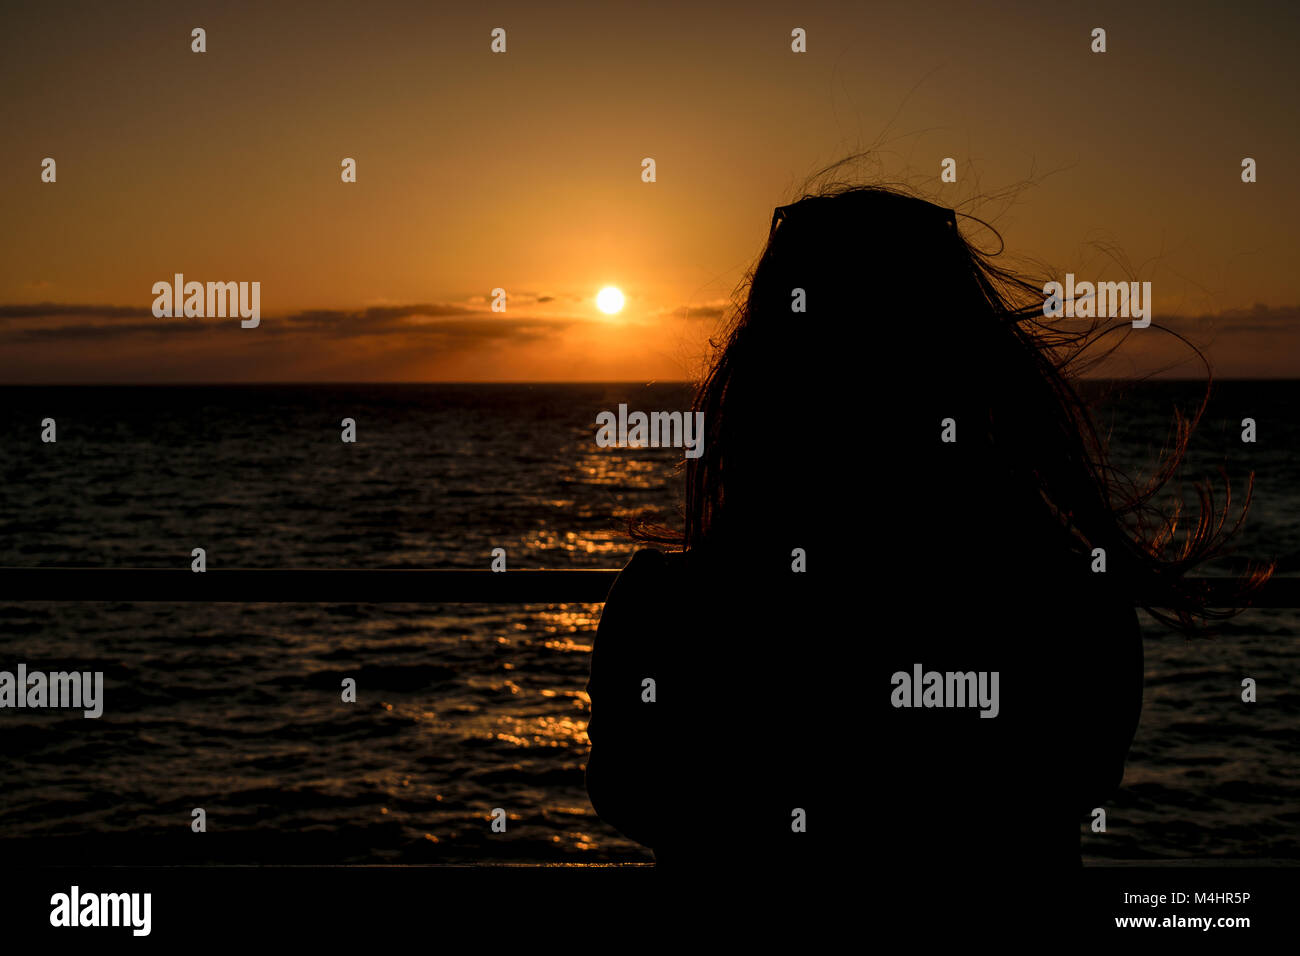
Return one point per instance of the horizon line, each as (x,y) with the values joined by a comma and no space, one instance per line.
(610,381)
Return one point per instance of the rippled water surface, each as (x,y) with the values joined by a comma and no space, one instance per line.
(466,707)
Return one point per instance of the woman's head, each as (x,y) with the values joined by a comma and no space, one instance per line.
(870,326)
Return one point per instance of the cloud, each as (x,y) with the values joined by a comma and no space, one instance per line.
(1261,342)
(40,310)
(50,340)
(710,310)
(517,297)
(448,324)
(376,320)
(100,330)
(1261,318)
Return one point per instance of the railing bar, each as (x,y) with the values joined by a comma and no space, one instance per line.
(382,586)
(132,585)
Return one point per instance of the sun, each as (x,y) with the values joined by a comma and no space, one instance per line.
(609,300)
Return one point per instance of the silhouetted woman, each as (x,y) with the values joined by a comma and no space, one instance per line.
(834,539)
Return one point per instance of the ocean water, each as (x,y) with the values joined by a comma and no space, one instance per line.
(466,707)
(1210,778)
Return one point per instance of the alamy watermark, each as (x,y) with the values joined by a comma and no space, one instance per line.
(36,689)
(218,300)
(652,430)
(947,689)
(1110,300)
(76,908)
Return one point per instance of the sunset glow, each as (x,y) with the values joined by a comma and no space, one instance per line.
(377,234)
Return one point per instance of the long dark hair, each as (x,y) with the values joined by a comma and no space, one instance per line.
(900,266)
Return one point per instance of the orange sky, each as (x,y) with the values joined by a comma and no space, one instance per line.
(522,171)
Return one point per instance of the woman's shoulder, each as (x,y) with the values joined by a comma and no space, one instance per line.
(651,561)
(644,572)
(656,582)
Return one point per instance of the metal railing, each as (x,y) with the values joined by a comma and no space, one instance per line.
(132,585)
(249,585)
